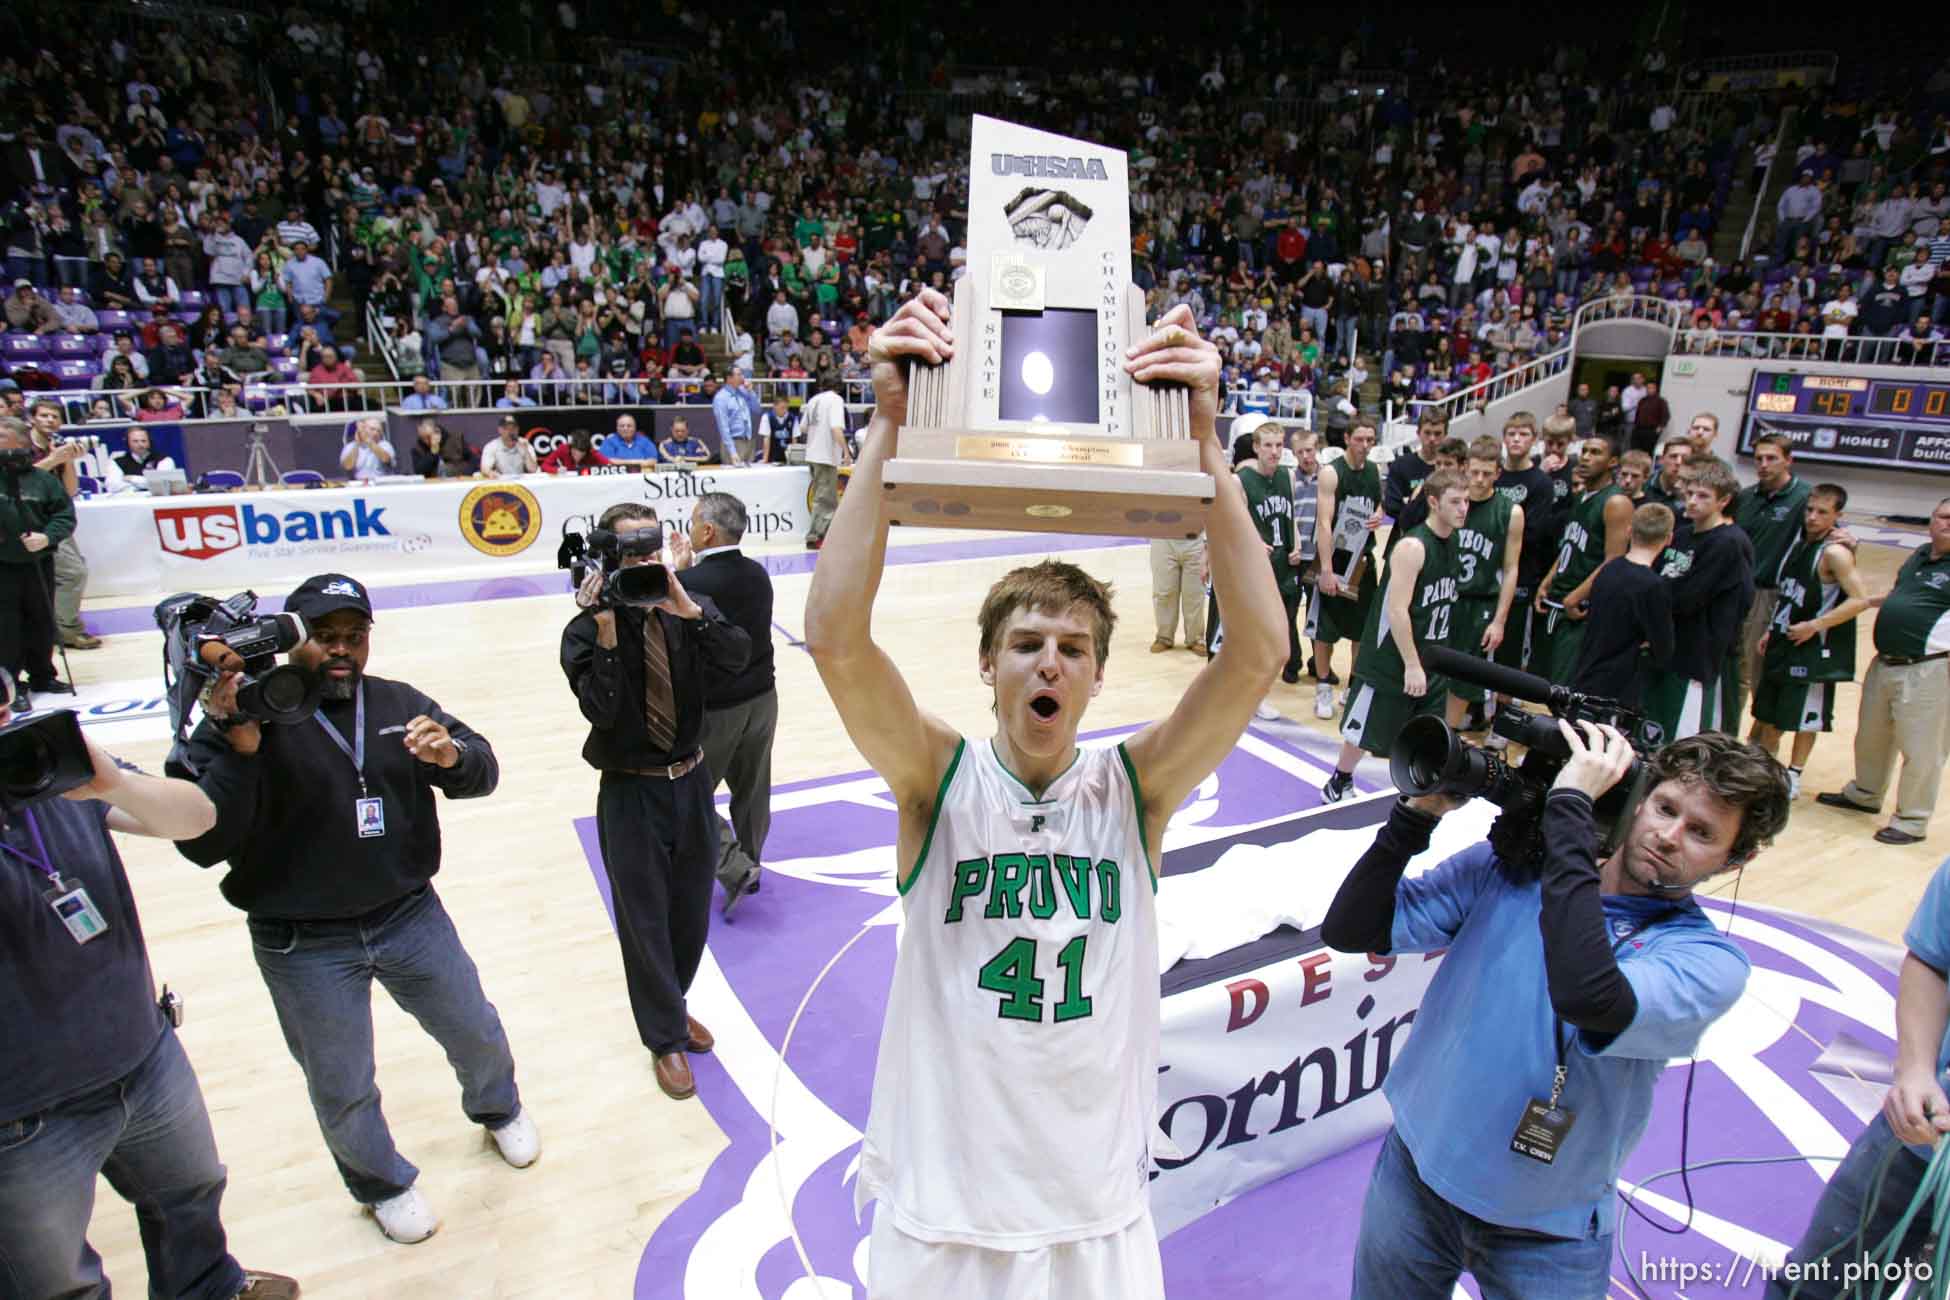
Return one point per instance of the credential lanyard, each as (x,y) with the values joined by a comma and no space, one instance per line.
(1558,1037)
(357,750)
(41,863)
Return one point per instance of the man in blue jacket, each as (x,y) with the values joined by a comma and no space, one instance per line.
(1568,985)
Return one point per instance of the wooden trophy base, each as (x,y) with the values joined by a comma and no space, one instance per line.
(1047,483)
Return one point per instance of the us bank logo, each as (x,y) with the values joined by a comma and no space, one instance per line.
(1273,1062)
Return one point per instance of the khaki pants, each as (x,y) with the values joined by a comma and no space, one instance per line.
(1176,589)
(1904,710)
(825,499)
(1747,656)
(70,581)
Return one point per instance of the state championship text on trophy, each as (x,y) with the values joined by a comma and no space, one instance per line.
(1033,424)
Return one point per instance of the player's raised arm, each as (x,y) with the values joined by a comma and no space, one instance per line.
(1173,755)
(908,748)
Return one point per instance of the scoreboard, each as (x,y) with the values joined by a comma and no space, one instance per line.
(1888,423)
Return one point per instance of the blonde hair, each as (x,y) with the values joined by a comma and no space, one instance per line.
(1052,587)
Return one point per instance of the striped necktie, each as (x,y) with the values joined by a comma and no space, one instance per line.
(659,702)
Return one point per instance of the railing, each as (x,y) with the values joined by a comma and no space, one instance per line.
(1766,179)
(376,397)
(1856,349)
(1750,72)
(1635,306)
(380,339)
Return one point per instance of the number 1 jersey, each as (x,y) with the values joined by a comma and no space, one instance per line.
(1017,1083)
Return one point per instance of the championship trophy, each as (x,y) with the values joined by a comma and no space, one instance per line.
(1033,424)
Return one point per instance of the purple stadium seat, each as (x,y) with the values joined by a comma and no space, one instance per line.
(113,319)
(278,343)
(71,345)
(74,374)
(286,366)
(193,300)
(17,348)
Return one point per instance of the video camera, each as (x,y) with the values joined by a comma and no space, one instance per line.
(15,461)
(42,756)
(1428,757)
(204,637)
(603,551)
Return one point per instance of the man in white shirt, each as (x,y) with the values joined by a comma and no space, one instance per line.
(711,254)
(1629,399)
(510,455)
(369,454)
(824,421)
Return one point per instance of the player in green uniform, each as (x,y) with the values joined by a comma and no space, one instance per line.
(1349,499)
(1269,498)
(1597,527)
(1810,644)
(1488,546)
(1390,686)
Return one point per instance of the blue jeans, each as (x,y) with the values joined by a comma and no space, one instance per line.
(1414,1245)
(1316,318)
(149,1135)
(320,975)
(1839,1211)
(230,297)
(711,304)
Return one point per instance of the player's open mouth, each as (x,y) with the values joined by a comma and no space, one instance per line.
(1045,707)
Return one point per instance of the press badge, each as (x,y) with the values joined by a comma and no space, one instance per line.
(77,911)
(1542,1130)
(370,815)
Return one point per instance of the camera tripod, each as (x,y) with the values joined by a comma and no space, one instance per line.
(259,469)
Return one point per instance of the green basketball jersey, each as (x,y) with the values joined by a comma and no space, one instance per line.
(1271,503)
(1430,611)
(1826,656)
(1479,546)
(1582,547)
(1357,493)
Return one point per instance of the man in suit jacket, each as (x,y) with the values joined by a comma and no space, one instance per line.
(36,167)
(741,714)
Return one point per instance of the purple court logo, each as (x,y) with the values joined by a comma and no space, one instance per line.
(1272,1063)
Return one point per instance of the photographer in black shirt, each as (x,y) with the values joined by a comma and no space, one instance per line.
(641,676)
(332,836)
(96,1082)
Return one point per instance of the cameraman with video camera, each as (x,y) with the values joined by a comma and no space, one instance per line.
(96,1082)
(1569,983)
(330,828)
(641,657)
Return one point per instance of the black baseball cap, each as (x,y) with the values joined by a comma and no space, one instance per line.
(328,593)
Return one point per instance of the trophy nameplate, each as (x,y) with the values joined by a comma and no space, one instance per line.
(1033,424)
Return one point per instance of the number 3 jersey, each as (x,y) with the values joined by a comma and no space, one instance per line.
(1016,1088)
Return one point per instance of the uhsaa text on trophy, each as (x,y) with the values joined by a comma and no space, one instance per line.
(1033,424)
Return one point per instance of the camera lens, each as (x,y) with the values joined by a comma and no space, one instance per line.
(285,694)
(26,765)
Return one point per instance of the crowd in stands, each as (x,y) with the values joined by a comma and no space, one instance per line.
(187,217)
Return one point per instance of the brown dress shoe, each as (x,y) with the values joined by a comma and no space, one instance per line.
(701,1040)
(85,641)
(268,1286)
(673,1073)
(1161,645)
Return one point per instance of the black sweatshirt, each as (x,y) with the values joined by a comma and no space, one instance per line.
(1587,989)
(286,814)
(1631,606)
(1712,585)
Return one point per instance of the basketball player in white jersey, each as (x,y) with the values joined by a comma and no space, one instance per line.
(1016,1091)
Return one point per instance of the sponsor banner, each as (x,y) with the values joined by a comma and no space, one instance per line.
(141,546)
(1275,1070)
(1857,442)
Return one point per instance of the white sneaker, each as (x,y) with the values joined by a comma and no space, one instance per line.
(518,1141)
(1794,785)
(1323,701)
(1266,712)
(406,1218)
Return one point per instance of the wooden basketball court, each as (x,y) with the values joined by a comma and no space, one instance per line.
(618,1155)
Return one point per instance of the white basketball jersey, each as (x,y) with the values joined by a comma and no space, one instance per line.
(1016,1089)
